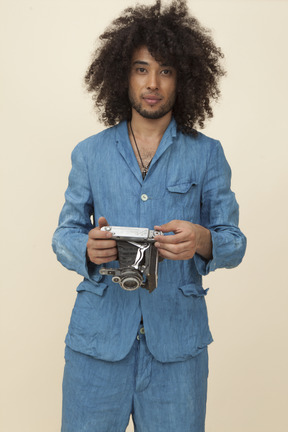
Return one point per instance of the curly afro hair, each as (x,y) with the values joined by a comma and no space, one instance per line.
(170,34)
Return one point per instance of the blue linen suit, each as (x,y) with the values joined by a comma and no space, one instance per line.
(188,179)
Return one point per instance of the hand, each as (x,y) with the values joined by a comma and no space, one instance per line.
(188,239)
(100,248)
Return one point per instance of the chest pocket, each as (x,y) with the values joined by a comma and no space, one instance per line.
(181,188)
(185,199)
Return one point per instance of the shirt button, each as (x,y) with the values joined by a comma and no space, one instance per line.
(142,330)
(144,197)
(138,337)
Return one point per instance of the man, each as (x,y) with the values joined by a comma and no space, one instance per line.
(135,352)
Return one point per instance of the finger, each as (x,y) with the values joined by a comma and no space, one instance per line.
(101,244)
(171,226)
(175,257)
(168,255)
(104,253)
(177,249)
(96,233)
(177,252)
(102,222)
(166,228)
(102,259)
(173,238)
(99,256)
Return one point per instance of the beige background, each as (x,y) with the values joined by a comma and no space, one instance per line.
(45,49)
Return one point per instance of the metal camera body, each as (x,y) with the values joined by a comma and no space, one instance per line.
(138,258)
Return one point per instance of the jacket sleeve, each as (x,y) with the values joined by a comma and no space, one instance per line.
(220,214)
(71,236)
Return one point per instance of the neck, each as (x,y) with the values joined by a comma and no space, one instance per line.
(145,136)
(149,129)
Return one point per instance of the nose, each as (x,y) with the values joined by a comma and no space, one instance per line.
(152,81)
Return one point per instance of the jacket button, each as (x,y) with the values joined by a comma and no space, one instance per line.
(144,197)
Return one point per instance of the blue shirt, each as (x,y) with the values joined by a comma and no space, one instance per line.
(188,179)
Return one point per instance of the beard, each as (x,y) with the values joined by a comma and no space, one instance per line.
(152,115)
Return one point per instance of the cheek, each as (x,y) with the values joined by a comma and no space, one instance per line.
(135,83)
(131,93)
(172,95)
(171,89)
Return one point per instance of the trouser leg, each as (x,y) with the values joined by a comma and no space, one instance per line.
(97,395)
(170,397)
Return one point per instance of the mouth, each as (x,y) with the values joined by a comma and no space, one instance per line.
(152,99)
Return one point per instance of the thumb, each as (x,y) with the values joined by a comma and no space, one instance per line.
(102,222)
(171,226)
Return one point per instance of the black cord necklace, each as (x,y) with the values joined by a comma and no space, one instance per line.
(144,167)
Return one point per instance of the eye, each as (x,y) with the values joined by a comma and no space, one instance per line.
(141,70)
(166,72)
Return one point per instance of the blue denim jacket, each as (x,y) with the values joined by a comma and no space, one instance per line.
(188,179)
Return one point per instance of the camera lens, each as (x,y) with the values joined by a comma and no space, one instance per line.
(116,279)
(130,279)
(130,284)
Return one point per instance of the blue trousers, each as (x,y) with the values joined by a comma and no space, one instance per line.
(100,396)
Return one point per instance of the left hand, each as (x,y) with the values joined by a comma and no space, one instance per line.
(188,239)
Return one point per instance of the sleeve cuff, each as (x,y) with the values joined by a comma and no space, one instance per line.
(227,252)
(203,265)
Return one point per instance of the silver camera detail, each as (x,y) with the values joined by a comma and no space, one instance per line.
(137,255)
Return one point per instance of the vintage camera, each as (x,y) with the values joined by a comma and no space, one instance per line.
(138,258)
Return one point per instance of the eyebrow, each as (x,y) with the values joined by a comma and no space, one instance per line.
(147,64)
(140,62)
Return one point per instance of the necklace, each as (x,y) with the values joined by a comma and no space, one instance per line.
(144,167)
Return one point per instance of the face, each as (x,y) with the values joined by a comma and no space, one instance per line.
(152,85)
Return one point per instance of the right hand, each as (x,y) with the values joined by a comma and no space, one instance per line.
(100,247)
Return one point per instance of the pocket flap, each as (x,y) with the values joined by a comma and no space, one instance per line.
(193,289)
(181,187)
(95,288)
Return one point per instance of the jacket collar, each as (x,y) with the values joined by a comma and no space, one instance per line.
(125,148)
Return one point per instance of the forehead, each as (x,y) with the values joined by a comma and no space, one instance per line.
(142,54)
